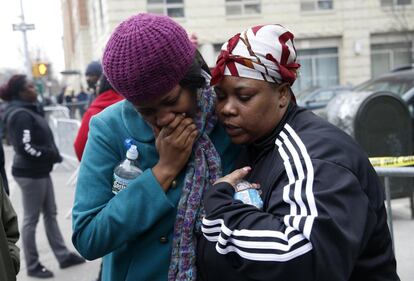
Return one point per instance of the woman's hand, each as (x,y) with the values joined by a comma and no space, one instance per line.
(236,176)
(174,144)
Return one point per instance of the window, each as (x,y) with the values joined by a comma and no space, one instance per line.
(319,67)
(171,8)
(243,7)
(217,48)
(385,3)
(316,5)
(385,57)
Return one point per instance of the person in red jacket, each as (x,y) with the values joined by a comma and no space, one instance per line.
(106,97)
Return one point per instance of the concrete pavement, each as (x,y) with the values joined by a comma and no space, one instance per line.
(403,230)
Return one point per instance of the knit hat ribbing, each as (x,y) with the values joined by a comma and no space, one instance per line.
(147,56)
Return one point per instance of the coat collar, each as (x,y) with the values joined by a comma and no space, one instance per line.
(137,128)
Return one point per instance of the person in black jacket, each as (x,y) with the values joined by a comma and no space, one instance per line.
(35,155)
(323,215)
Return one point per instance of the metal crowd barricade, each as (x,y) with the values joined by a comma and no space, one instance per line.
(56,111)
(387,173)
(76,109)
(66,131)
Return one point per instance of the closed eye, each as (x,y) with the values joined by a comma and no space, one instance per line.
(146,111)
(219,94)
(173,100)
(245,98)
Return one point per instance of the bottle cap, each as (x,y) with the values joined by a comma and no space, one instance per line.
(128,142)
(132,152)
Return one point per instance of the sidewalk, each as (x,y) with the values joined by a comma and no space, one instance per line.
(403,231)
(404,238)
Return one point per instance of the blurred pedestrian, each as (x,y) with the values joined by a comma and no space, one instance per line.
(9,234)
(93,74)
(82,99)
(322,215)
(69,95)
(149,230)
(61,96)
(35,155)
(106,97)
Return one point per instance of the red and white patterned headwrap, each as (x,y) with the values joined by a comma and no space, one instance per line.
(264,52)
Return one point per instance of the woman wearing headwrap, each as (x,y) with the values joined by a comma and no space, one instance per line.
(149,230)
(323,215)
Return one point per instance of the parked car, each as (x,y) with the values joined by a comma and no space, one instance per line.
(399,81)
(318,98)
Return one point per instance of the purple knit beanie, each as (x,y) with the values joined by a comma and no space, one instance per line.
(147,56)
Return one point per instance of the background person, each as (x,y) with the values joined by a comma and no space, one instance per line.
(82,100)
(149,230)
(93,74)
(35,155)
(106,97)
(323,216)
(69,94)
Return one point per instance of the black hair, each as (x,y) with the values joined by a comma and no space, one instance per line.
(10,90)
(104,85)
(193,79)
(276,86)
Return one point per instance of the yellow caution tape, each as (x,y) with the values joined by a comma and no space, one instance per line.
(400,161)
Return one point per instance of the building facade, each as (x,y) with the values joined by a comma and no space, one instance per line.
(338,41)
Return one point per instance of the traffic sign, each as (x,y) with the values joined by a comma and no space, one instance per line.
(23,27)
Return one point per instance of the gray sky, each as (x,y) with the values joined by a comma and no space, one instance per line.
(44,42)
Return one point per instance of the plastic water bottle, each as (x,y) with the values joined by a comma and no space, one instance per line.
(246,193)
(126,171)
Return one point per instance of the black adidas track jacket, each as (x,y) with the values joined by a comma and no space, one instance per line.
(323,217)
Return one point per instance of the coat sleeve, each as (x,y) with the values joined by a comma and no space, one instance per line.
(102,221)
(313,225)
(11,229)
(21,128)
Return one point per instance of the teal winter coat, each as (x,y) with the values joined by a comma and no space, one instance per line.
(133,229)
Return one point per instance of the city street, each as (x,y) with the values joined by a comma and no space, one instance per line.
(403,230)
(258,68)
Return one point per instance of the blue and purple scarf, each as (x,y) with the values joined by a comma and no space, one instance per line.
(203,169)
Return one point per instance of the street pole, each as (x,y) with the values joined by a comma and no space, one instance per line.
(28,63)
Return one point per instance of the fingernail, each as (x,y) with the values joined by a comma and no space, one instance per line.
(247,169)
(183,114)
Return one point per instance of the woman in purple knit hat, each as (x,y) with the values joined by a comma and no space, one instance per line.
(149,230)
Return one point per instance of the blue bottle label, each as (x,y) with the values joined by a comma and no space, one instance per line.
(119,184)
(250,196)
